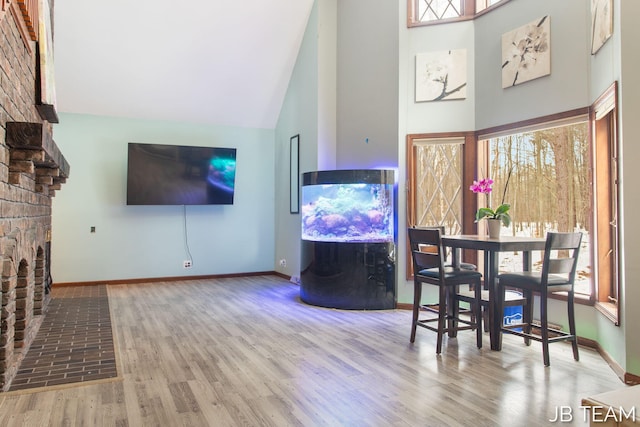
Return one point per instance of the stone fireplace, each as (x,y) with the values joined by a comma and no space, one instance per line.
(32,169)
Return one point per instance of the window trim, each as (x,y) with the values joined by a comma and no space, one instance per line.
(537,123)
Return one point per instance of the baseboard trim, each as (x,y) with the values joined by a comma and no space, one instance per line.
(625,377)
(282,275)
(168,279)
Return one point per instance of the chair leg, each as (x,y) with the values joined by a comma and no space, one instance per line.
(485,319)
(572,324)
(544,327)
(453,311)
(442,317)
(417,296)
(499,302)
(477,312)
(527,314)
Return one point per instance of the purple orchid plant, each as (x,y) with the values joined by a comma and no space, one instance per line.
(485,186)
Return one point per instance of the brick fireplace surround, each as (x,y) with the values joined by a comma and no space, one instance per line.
(31,169)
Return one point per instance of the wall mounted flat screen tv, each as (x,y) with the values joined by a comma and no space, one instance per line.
(180,175)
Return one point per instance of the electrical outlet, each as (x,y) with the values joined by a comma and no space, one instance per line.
(283,262)
(187,263)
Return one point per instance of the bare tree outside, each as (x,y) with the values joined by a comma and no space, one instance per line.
(439,183)
(549,187)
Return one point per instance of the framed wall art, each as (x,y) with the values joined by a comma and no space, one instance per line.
(441,75)
(294,171)
(601,23)
(526,52)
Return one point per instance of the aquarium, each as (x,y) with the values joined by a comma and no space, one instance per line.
(348,206)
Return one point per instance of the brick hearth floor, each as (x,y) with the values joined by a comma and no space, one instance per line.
(74,343)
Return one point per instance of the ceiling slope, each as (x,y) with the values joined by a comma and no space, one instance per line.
(223,62)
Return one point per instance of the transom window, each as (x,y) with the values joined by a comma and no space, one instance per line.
(484,4)
(424,12)
(433,10)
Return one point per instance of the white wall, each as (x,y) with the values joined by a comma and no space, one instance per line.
(309,110)
(426,117)
(148,241)
(327,86)
(626,13)
(566,88)
(441,116)
(367,84)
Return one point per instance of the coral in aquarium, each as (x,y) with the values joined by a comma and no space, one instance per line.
(347,213)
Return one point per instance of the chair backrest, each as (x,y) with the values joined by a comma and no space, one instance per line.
(561,255)
(426,248)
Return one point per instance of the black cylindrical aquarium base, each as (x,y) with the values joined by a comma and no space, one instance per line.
(357,276)
(347,248)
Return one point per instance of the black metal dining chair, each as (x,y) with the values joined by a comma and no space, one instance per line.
(429,268)
(558,275)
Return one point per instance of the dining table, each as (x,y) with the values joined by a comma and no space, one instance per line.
(491,249)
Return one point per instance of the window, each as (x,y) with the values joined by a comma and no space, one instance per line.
(425,12)
(563,177)
(606,254)
(434,10)
(547,168)
(436,180)
(436,175)
(438,183)
(484,4)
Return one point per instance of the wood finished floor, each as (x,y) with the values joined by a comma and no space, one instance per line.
(246,351)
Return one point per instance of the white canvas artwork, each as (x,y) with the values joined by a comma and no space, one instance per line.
(526,52)
(441,75)
(601,23)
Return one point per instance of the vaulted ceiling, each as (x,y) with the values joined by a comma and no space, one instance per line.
(223,62)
